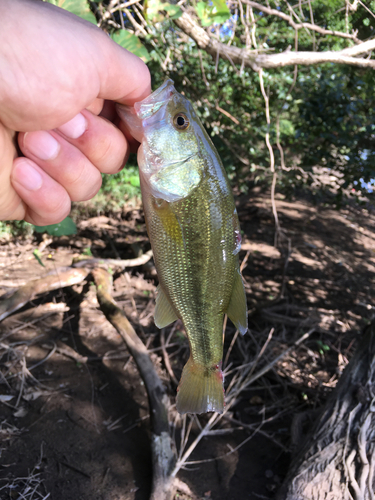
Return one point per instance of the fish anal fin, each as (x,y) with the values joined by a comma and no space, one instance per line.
(237,308)
(200,389)
(164,313)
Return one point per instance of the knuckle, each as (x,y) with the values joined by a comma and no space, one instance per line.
(103,152)
(109,152)
(85,185)
(58,208)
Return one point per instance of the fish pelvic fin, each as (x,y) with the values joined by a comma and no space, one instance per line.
(237,308)
(164,314)
(200,389)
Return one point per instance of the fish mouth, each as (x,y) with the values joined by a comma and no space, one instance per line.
(151,104)
(133,116)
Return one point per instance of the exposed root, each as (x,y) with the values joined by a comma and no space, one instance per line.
(163,455)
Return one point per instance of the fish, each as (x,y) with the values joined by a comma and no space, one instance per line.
(195,237)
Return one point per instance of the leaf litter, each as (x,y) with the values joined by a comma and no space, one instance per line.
(89,409)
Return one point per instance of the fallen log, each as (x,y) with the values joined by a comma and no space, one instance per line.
(337,459)
(59,278)
(62,277)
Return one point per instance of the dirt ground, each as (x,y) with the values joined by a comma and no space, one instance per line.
(74,417)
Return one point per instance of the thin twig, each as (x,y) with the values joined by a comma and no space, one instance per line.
(272,156)
(311,26)
(93,263)
(166,357)
(226,113)
(243,384)
(232,450)
(202,68)
(181,461)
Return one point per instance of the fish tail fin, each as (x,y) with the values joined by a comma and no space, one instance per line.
(200,389)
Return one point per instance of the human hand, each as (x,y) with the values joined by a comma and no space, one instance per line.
(58,73)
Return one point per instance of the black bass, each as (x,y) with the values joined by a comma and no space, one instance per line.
(195,236)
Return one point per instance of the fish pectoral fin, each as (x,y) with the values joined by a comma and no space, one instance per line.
(237,308)
(164,313)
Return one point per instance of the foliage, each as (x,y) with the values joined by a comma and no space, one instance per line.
(121,187)
(216,11)
(336,124)
(132,43)
(80,8)
(15,228)
(320,116)
(155,11)
(63,228)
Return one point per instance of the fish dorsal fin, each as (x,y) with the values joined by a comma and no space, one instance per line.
(237,308)
(164,313)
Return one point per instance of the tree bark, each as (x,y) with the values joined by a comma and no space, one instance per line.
(337,460)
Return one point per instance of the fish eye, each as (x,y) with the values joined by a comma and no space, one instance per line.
(181,121)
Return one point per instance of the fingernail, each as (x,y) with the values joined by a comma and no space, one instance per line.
(41,144)
(27,175)
(75,127)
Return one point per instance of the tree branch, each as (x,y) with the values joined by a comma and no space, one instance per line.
(298,26)
(256,61)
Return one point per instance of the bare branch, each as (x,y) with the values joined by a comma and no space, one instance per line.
(357,50)
(297,26)
(256,61)
(311,58)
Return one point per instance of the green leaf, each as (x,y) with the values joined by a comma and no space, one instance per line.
(220,11)
(203,13)
(221,6)
(366,21)
(78,7)
(287,128)
(131,43)
(217,13)
(63,228)
(155,9)
(174,11)
(87,251)
(152,11)
(220,18)
(134,181)
(37,254)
